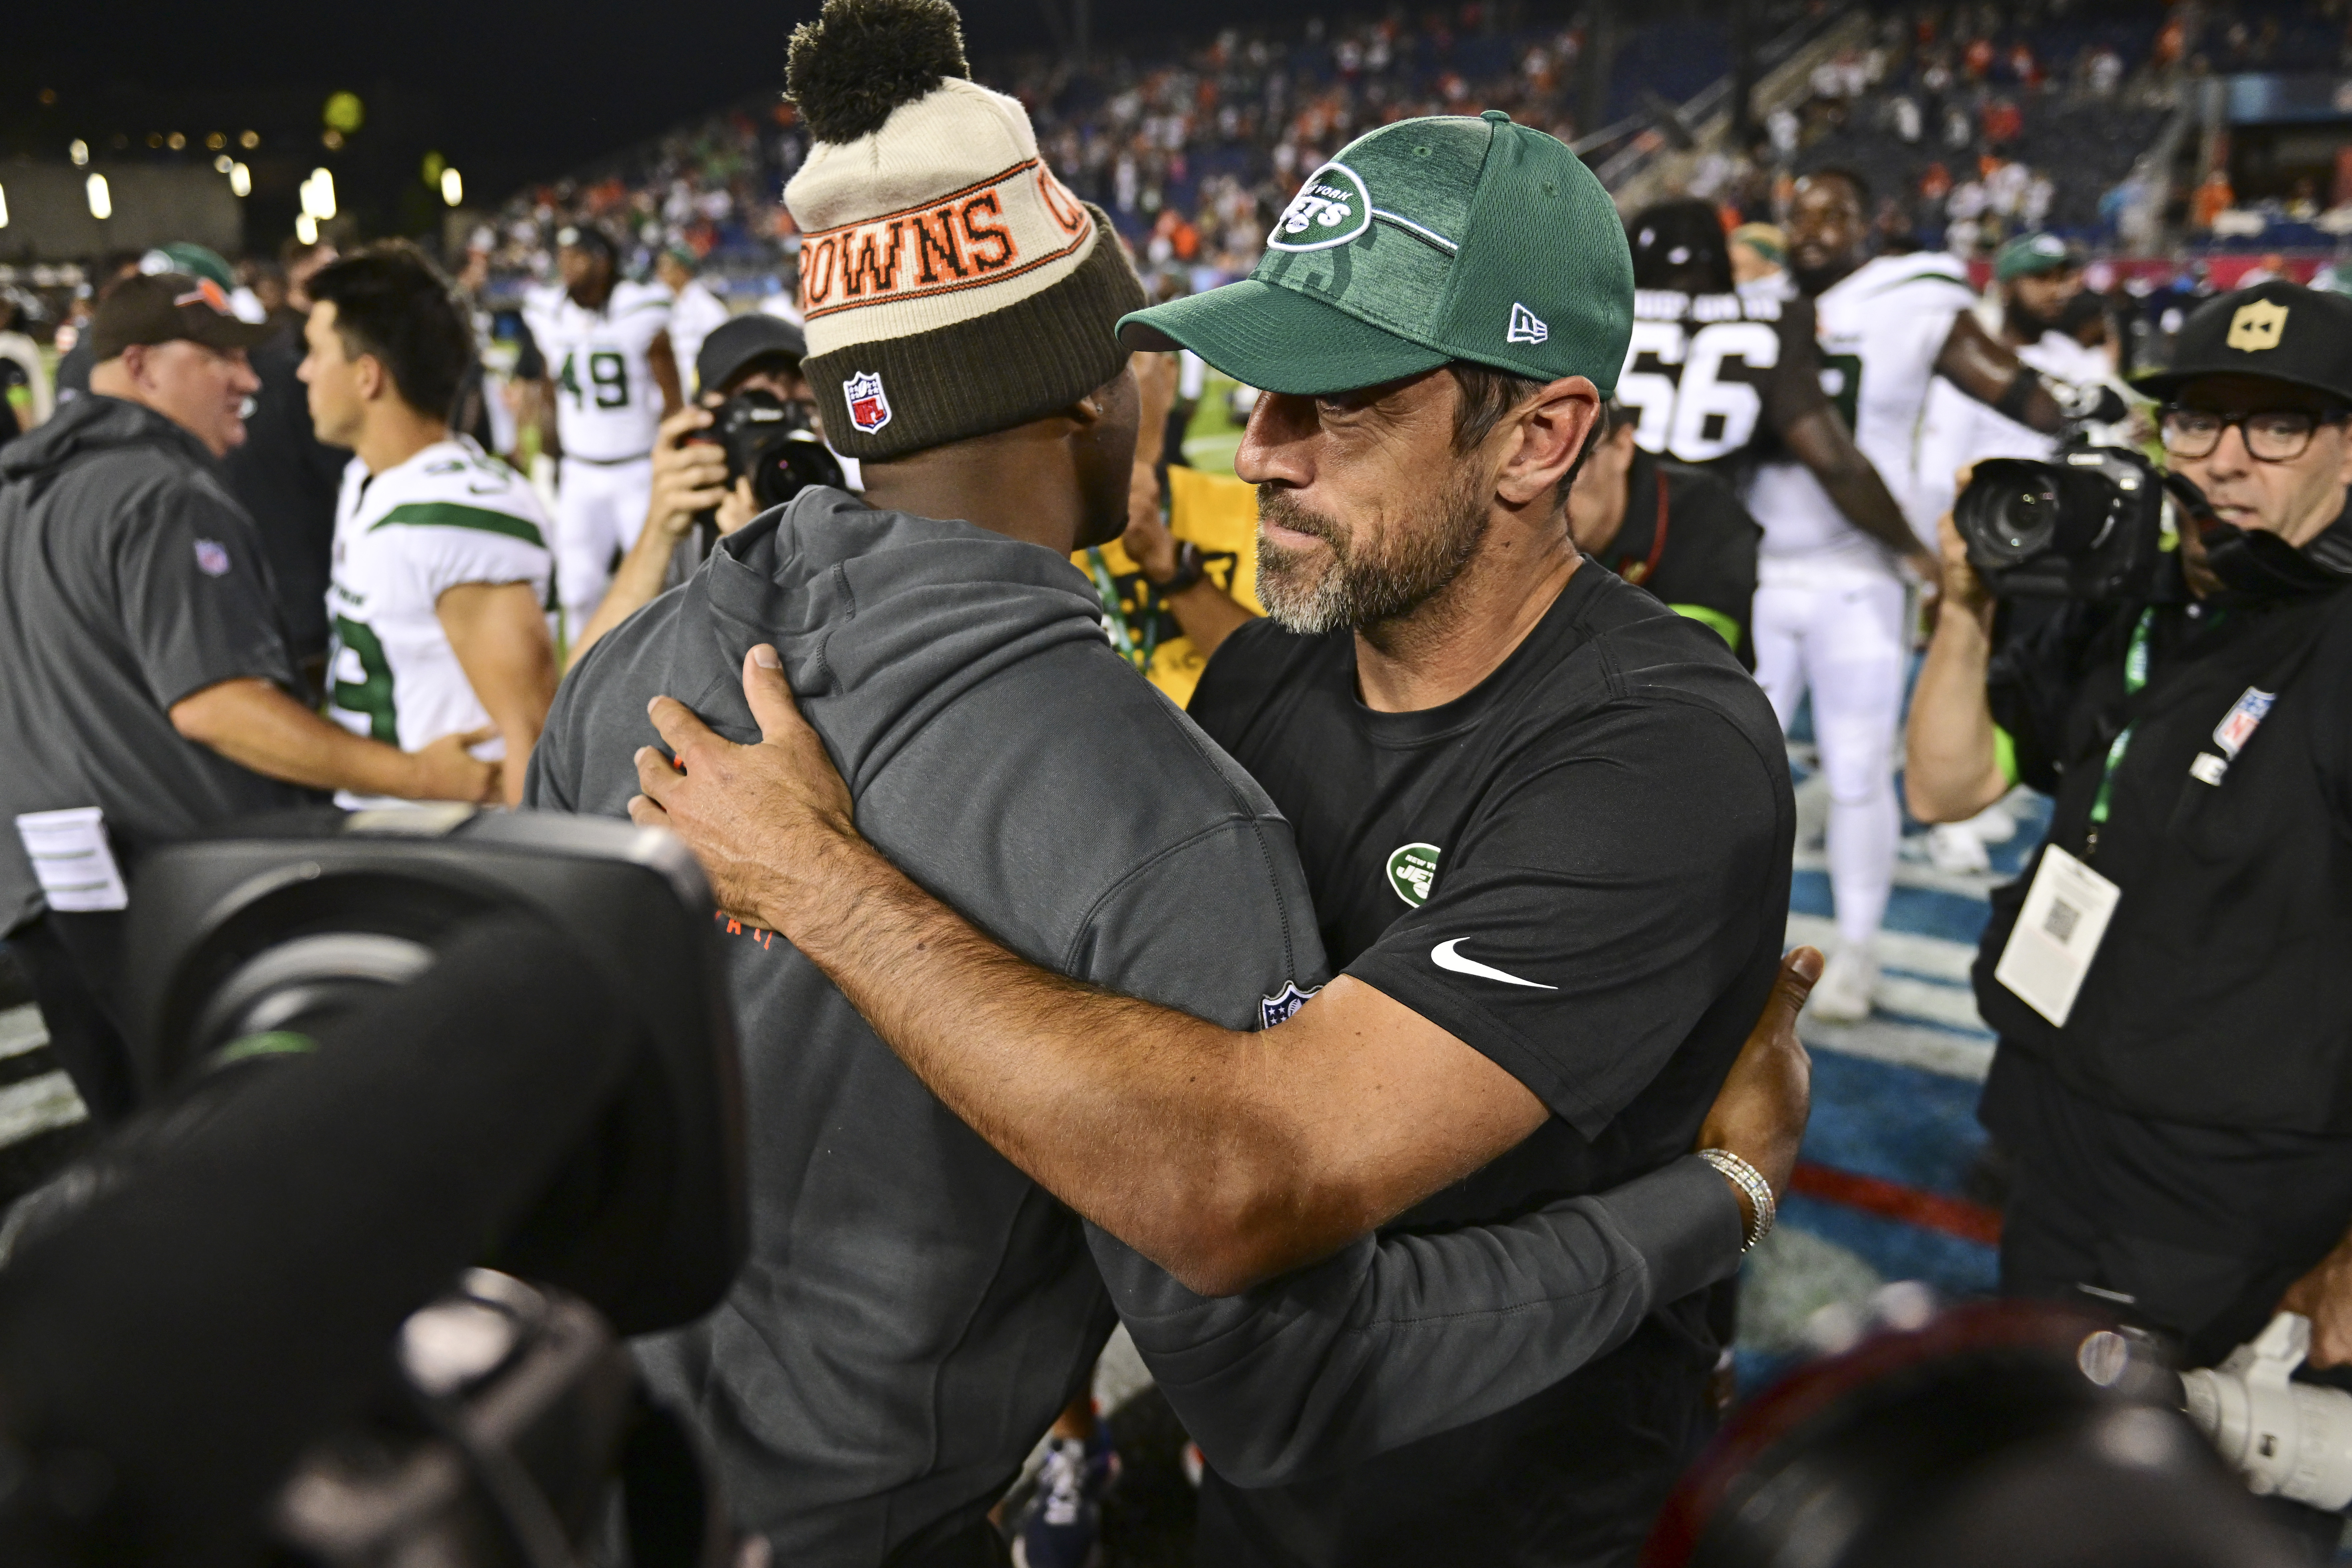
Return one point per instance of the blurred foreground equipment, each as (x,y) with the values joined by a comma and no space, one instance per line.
(2001,1434)
(388,1054)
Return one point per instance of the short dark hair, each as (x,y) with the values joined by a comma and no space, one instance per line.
(1854,182)
(1487,395)
(391,302)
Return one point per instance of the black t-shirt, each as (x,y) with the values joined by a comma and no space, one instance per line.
(1581,869)
(1714,378)
(1687,539)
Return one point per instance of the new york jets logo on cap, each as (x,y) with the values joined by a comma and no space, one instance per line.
(1332,209)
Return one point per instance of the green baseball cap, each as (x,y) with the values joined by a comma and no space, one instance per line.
(187,256)
(2031,256)
(1422,242)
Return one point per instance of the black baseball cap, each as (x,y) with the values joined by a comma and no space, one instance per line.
(735,343)
(163,307)
(2279,331)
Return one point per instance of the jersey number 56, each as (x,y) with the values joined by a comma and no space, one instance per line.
(1687,410)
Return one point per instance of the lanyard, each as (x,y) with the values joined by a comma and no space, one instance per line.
(2135,677)
(1137,649)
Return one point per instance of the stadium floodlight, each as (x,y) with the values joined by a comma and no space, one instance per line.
(101,200)
(3,207)
(319,195)
(453,187)
(78,151)
(240,180)
(306,229)
(221,164)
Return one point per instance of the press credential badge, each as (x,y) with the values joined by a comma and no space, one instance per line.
(2057,935)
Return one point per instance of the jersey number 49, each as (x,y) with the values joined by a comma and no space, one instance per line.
(1689,409)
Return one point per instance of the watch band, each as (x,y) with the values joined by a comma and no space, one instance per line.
(1748,1180)
(1189,569)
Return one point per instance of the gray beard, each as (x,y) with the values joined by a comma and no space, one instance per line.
(1370,581)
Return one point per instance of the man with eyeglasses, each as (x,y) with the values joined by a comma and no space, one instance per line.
(2183,1140)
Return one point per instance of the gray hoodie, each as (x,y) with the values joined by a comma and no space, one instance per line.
(916,1310)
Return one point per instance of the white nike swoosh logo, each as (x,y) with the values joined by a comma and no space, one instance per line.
(1444,956)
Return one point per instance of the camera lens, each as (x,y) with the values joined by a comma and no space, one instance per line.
(2008,514)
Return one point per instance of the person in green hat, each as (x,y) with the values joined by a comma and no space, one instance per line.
(1546,824)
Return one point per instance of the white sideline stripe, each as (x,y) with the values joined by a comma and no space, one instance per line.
(21,1030)
(1919,874)
(1904,1045)
(1929,1002)
(1934,957)
(38,1105)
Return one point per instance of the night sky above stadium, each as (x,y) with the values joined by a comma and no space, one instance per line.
(513,89)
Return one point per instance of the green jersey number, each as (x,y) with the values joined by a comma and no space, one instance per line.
(1842,379)
(608,374)
(372,694)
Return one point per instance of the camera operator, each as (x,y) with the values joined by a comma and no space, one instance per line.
(149,679)
(2178,1100)
(749,353)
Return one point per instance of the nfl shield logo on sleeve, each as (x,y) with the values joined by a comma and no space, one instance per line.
(2237,726)
(212,560)
(869,409)
(1278,1007)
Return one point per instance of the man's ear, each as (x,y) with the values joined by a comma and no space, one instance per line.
(374,381)
(1551,431)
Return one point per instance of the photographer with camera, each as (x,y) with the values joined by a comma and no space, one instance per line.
(2173,1076)
(749,369)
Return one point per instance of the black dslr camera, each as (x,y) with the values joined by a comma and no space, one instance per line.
(2092,524)
(772,444)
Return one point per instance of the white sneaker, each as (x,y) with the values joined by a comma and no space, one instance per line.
(1957,847)
(1994,825)
(1843,994)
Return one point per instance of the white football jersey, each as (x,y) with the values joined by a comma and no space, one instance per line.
(1881,327)
(606,405)
(1957,429)
(448,515)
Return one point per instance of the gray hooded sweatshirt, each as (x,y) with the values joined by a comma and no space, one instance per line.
(916,1310)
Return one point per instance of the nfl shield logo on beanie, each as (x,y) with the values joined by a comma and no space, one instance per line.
(869,409)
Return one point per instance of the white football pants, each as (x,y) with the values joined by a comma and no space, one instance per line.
(1836,626)
(600,510)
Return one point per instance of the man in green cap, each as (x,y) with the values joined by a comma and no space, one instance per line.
(1546,824)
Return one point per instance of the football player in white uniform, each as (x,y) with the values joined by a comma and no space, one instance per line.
(612,377)
(440,558)
(693,309)
(1829,599)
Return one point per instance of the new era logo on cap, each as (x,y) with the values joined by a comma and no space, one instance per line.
(1526,327)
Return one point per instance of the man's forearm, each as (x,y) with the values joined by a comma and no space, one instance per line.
(1821,443)
(1053,1072)
(256,726)
(636,583)
(1208,616)
(1400,1338)
(1951,755)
